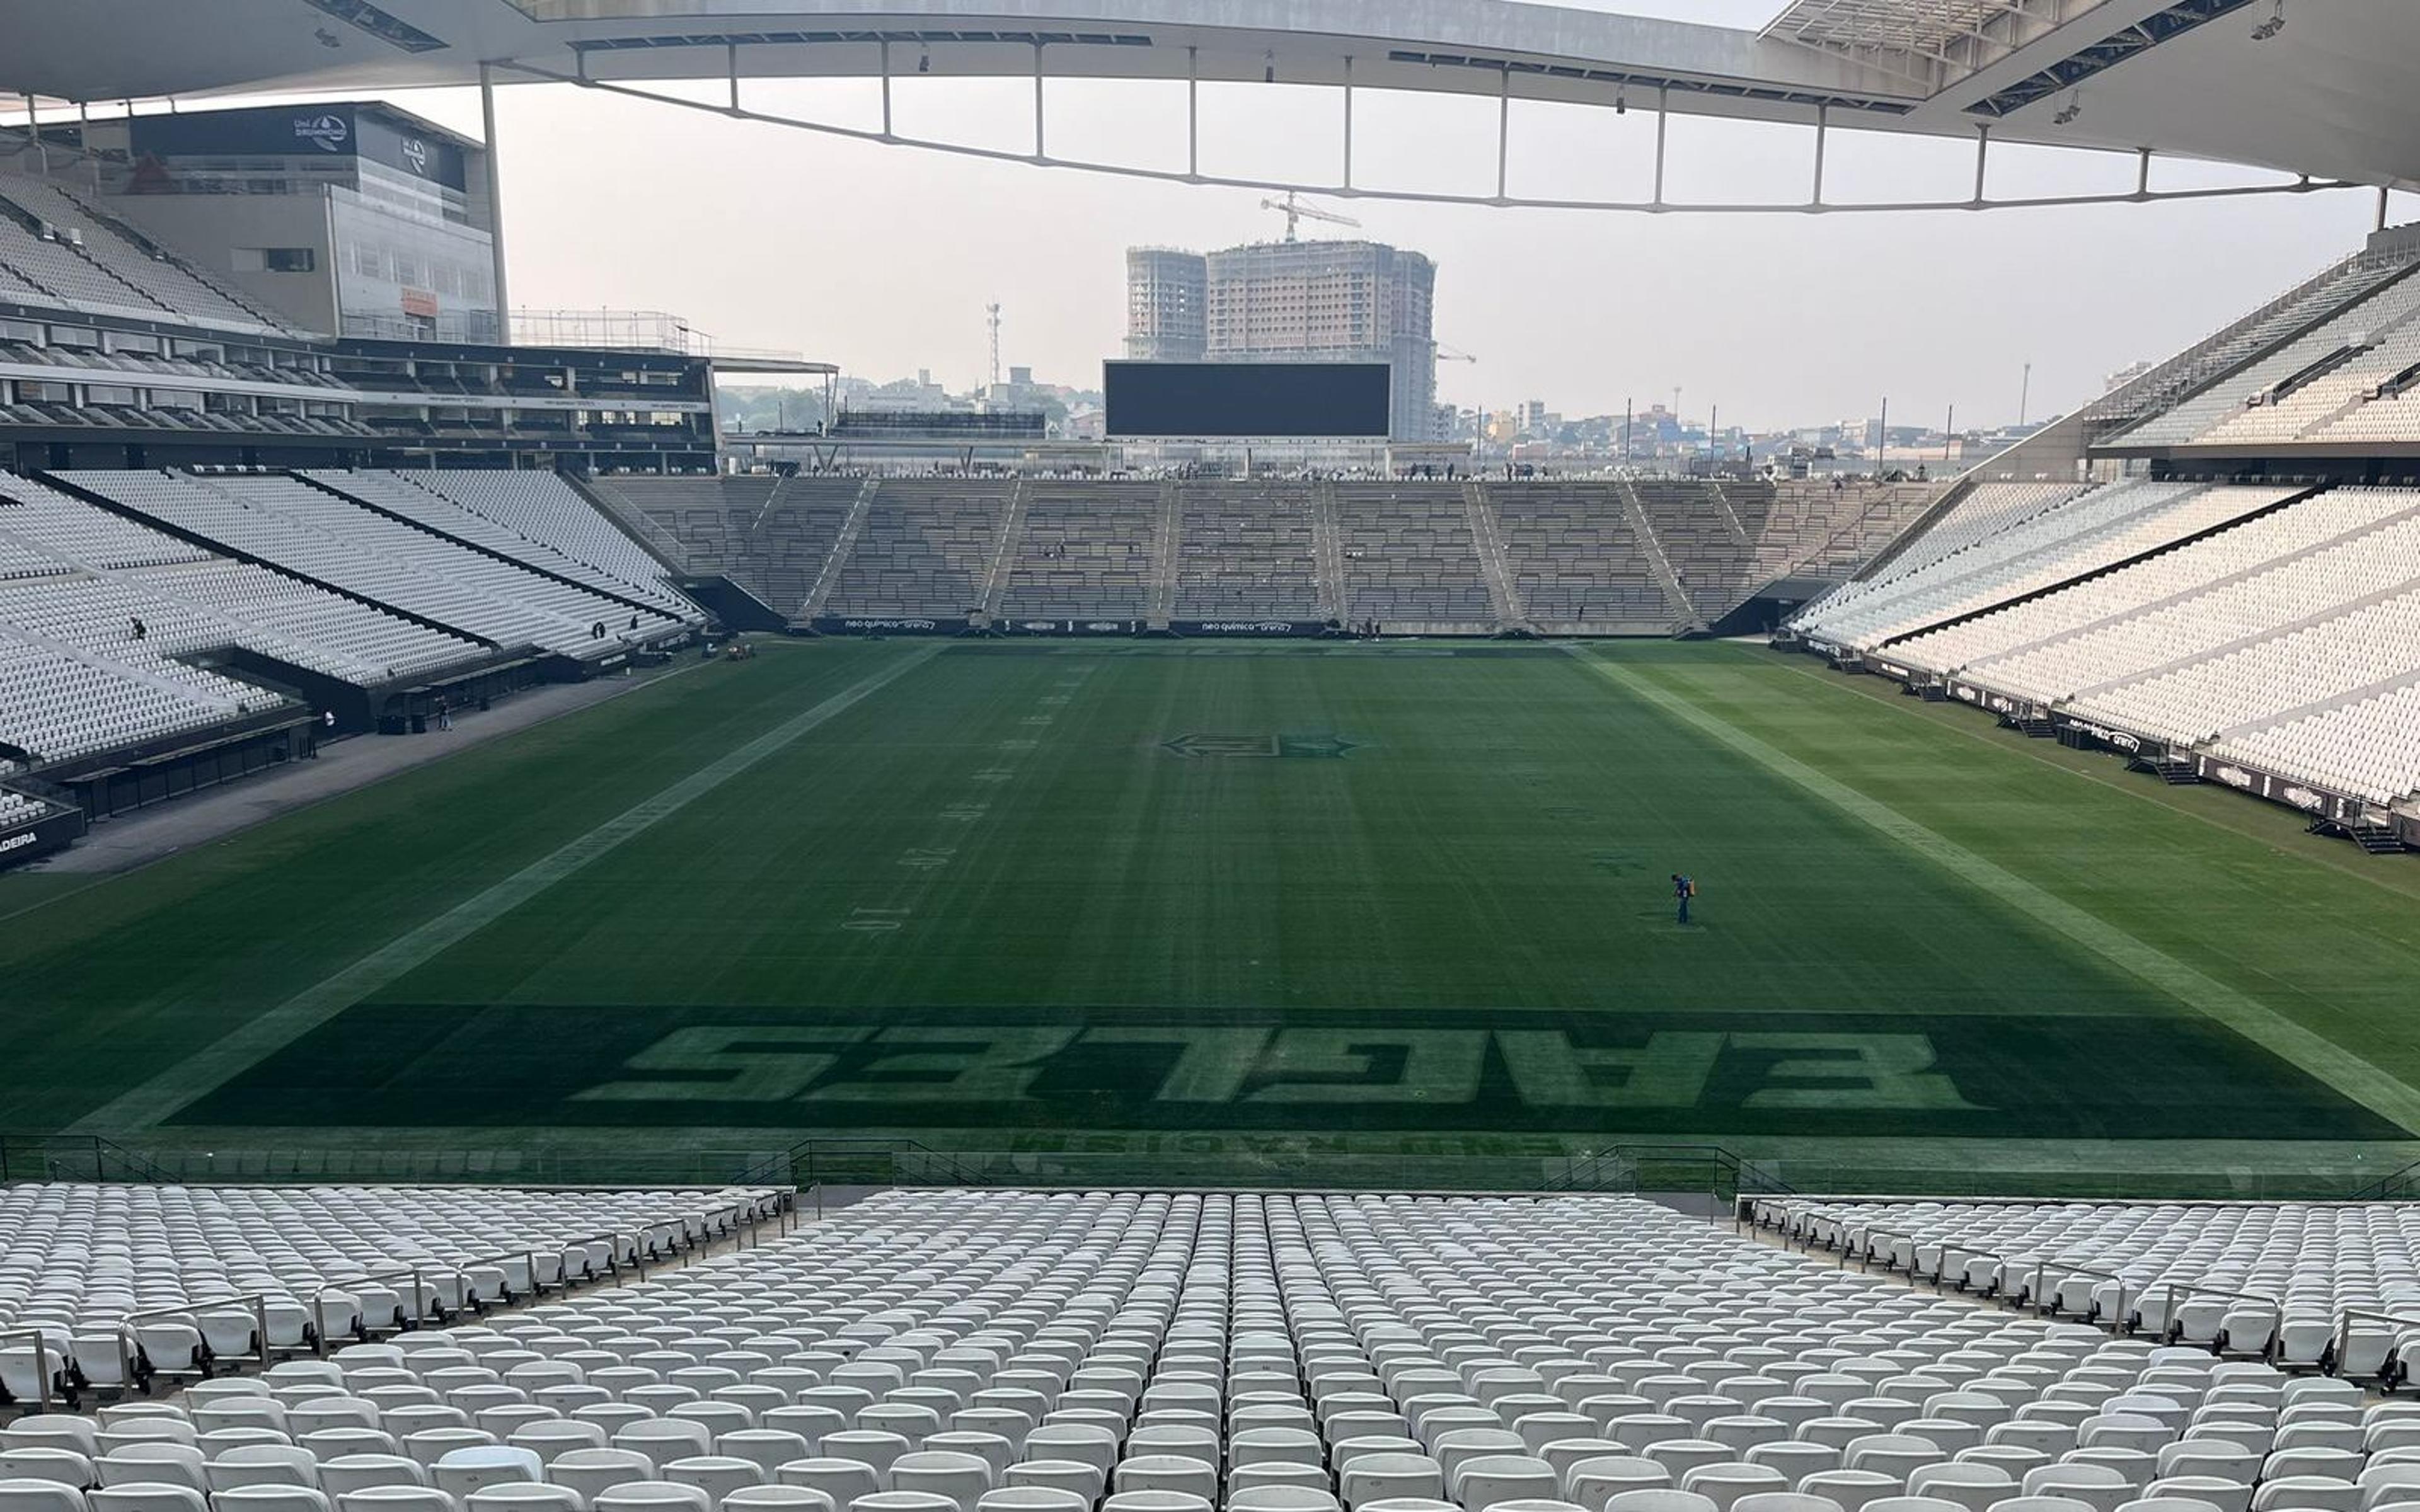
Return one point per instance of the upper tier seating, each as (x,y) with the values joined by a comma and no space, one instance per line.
(2226,412)
(115,268)
(1409,556)
(2294,1266)
(986,1351)
(2335,289)
(1087,552)
(78,1262)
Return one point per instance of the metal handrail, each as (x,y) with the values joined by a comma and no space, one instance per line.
(2344,1329)
(319,1300)
(2041,1272)
(258,1301)
(1963,1252)
(761,1173)
(41,1360)
(2172,1289)
(2380,1189)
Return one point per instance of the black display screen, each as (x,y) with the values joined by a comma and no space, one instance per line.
(1248,400)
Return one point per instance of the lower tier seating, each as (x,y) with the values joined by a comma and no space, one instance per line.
(2248,1277)
(1013,1352)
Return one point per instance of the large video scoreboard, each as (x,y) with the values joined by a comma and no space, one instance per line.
(1248,401)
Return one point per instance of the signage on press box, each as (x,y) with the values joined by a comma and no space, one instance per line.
(327,132)
(415,155)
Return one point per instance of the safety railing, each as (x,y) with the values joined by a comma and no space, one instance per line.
(867,1163)
(38,1345)
(73,1158)
(2043,1269)
(2340,1343)
(2172,1292)
(1722,1175)
(744,1222)
(191,1313)
(2049,1276)
(1865,1255)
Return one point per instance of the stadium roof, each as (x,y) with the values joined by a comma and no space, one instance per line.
(1925,42)
(2326,95)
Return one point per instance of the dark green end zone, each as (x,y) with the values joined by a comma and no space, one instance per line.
(1768,1073)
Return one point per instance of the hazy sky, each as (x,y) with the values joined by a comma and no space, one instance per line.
(883,258)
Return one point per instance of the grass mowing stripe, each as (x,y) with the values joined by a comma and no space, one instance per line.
(2383,1094)
(164,1095)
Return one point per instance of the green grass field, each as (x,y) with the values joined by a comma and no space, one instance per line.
(1382,912)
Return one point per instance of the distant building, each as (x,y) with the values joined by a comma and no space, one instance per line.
(1167,305)
(1294,301)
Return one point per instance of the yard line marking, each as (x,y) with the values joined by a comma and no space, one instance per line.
(197,1075)
(2388,1096)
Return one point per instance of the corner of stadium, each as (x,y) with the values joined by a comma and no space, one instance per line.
(562,954)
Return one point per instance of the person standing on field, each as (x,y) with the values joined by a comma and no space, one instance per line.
(1684,888)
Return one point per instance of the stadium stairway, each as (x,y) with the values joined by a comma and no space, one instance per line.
(1685,618)
(1012,536)
(1162,609)
(634,522)
(1729,515)
(1494,569)
(836,562)
(1328,550)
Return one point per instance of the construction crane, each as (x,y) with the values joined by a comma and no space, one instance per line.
(1449,354)
(1295,212)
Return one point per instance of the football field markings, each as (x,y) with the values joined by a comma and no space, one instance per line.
(206,1069)
(2321,1057)
(927,861)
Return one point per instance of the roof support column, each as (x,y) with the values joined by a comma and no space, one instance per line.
(1039,154)
(495,206)
(2143,175)
(1348,122)
(2382,206)
(1982,157)
(1822,130)
(1504,134)
(92,159)
(731,62)
(1194,113)
(1663,133)
(886,91)
(34,134)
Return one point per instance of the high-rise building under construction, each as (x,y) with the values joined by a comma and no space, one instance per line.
(1293,302)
